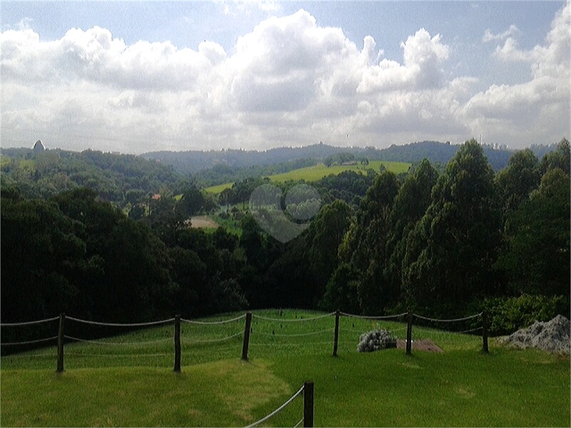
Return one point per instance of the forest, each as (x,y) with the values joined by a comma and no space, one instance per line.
(105,237)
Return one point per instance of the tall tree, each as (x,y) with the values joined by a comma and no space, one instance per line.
(518,179)
(537,255)
(323,238)
(365,244)
(412,201)
(457,238)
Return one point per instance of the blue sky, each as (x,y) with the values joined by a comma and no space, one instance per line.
(141,76)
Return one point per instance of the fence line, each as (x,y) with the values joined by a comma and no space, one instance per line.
(279,409)
(103,342)
(277,345)
(213,340)
(17,324)
(296,335)
(292,320)
(246,332)
(108,324)
(79,354)
(372,317)
(299,423)
(213,322)
(29,342)
(447,320)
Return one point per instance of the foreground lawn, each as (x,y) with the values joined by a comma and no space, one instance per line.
(134,385)
(213,394)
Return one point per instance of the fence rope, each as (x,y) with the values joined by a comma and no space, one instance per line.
(79,354)
(142,324)
(380,317)
(292,320)
(285,345)
(16,324)
(102,342)
(29,341)
(213,322)
(355,330)
(299,423)
(447,320)
(212,340)
(32,355)
(265,418)
(296,335)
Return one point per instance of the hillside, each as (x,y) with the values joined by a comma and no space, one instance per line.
(317,172)
(195,161)
(118,178)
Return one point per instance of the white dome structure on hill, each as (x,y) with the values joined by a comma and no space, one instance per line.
(38,147)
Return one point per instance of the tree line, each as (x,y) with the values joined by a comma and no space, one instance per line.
(441,244)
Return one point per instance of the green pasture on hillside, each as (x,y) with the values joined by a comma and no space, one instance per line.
(317,172)
(128,379)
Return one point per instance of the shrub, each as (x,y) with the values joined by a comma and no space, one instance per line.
(375,340)
(509,314)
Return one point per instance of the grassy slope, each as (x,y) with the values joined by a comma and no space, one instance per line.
(458,387)
(317,172)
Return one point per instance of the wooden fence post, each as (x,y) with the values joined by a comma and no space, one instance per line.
(308,404)
(336,337)
(485,332)
(246,344)
(409,334)
(60,340)
(177,350)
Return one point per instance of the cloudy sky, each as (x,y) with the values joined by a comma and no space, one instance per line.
(143,76)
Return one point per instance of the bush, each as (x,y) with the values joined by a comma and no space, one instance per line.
(375,340)
(509,314)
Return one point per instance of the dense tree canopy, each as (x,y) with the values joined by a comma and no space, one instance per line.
(104,237)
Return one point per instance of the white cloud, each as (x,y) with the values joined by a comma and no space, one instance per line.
(287,82)
(510,32)
(421,69)
(540,105)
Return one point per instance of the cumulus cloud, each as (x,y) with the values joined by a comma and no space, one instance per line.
(540,105)
(288,81)
(421,68)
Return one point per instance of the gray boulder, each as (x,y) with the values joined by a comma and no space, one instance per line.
(553,336)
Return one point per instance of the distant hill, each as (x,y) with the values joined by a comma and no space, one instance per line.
(195,161)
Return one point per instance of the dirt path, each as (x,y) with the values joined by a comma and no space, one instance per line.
(420,345)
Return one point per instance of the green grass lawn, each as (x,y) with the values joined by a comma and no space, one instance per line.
(317,172)
(128,380)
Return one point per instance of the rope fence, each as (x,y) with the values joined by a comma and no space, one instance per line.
(19,324)
(278,332)
(307,420)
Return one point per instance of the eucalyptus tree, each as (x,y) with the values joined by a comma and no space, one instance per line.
(457,238)
(516,181)
(365,244)
(410,205)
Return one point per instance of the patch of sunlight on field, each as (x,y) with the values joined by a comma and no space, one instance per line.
(317,172)
(223,393)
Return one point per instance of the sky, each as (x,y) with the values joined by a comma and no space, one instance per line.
(135,77)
